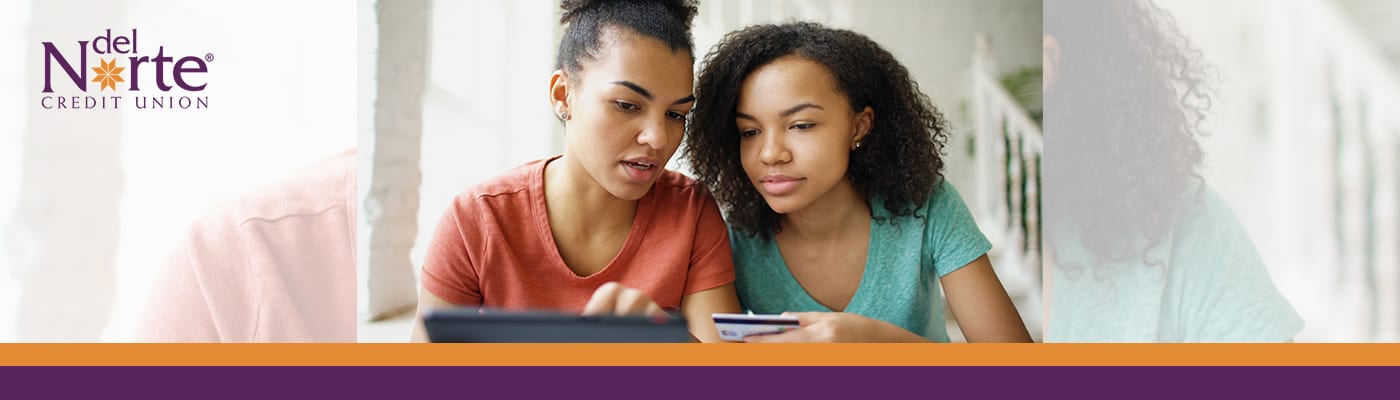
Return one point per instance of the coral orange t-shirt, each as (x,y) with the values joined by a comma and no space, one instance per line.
(494,248)
(278,265)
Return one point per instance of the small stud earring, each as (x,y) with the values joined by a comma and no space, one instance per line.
(564,115)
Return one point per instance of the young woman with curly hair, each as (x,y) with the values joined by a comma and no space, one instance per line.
(826,160)
(1139,247)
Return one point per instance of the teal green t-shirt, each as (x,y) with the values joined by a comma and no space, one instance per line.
(905,257)
(1203,282)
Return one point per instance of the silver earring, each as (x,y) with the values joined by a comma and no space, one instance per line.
(564,115)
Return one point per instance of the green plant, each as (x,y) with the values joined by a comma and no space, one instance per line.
(1024,86)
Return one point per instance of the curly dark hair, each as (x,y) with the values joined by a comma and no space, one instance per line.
(1123,114)
(900,159)
(665,20)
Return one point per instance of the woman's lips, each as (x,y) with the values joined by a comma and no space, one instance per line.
(779,185)
(640,170)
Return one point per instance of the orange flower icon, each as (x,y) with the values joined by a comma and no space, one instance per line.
(109,74)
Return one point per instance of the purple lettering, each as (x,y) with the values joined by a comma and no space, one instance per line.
(51,53)
(160,60)
(180,70)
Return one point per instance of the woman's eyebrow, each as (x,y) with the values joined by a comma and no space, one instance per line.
(785,113)
(636,88)
(647,93)
(799,107)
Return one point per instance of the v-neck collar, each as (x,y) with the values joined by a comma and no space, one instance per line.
(809,302)
(640,221)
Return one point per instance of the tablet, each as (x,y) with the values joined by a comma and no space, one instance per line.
(472,325)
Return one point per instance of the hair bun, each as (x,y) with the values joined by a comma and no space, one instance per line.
(683,10)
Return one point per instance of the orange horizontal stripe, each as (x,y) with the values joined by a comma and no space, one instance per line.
(94,354)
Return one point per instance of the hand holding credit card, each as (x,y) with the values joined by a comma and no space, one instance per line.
(734,327)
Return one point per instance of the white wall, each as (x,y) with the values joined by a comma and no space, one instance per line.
(486,107)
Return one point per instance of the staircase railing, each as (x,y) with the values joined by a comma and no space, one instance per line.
(1007,197)
(1339,103)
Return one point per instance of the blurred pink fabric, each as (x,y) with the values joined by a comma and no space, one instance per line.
(277,265)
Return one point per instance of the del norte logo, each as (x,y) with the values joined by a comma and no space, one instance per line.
(81,75)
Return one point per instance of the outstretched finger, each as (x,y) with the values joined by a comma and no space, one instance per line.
(604,299)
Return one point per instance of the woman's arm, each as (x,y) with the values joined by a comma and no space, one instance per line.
(426,301)
(698,306)
(980,304)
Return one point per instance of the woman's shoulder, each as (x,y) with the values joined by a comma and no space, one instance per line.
(675,188)
(745,242)
(1204,220)
(671,180)
(943,229)
(943,201)
(1201,203)
(1203,217)
(515,181)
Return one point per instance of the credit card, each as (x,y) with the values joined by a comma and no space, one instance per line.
(734,327)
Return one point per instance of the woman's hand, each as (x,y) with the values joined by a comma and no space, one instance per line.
(614,299)
(832,327)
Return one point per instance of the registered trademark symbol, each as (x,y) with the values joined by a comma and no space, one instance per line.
(208,57)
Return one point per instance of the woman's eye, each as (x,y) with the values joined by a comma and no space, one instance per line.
(625,106)
(748,133)
(675,116)
(803,126)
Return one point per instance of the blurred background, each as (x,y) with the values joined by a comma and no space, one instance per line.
(1299,136)
(92,201)
(1302,136)
(482,109)
(1304,141)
